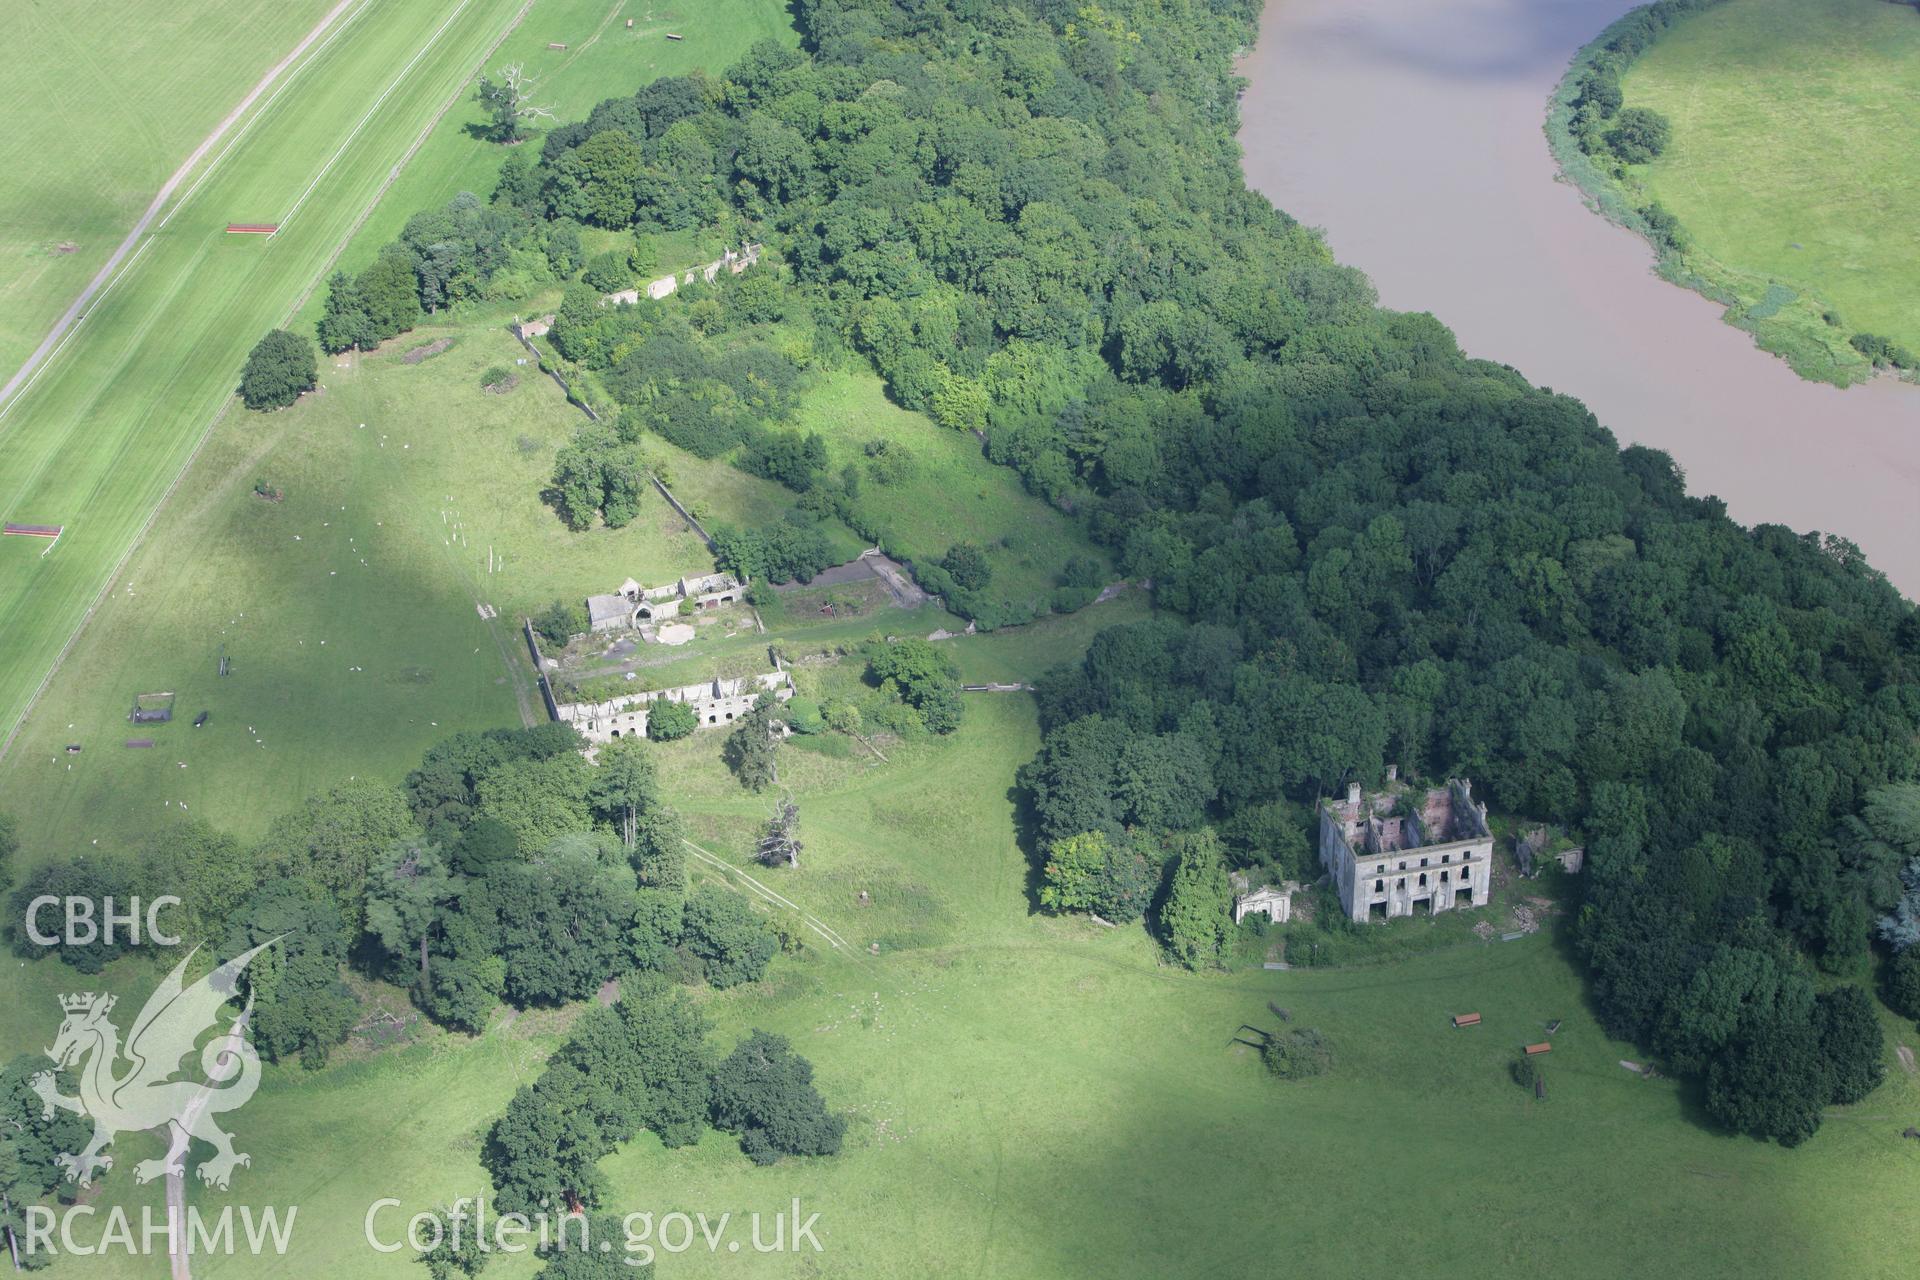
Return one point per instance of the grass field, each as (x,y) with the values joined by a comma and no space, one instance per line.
(156,357)
(1795,165)
(1034,1097)
(379,546)
(94,443)
(949,494)
(119,95)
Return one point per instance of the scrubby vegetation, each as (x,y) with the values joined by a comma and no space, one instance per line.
(1600,122)
(1297,1053)
(560,622)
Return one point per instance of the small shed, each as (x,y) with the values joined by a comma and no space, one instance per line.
(608,613)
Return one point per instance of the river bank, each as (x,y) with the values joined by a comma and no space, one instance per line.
(1412,133)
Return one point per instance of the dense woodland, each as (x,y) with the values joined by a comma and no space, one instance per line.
(506,868)
(1369,548)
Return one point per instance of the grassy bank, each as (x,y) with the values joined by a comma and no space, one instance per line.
(1775,215)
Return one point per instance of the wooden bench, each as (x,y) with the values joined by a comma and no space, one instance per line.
(1466,1020)
(1542,1047)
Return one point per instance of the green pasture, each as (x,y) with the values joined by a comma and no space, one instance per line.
(951,493)
(720,494)
(1037,1097)
(379,546)
(154,360)
(118,95)
(95,442)
(1794,166)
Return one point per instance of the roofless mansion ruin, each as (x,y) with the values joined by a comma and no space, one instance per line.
(1391,850)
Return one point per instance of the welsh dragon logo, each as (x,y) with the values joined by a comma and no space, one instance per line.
(145,1095)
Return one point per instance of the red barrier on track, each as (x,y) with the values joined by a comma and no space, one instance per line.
(252,228)
(34,530)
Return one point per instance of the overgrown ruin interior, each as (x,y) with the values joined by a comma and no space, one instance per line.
(1392,850)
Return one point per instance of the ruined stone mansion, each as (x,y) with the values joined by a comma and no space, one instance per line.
(1390,851)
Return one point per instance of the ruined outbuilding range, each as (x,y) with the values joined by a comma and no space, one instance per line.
(1397,847)
(634,604)
(715,702)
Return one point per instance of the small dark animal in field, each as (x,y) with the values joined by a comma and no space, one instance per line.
(1910,1132)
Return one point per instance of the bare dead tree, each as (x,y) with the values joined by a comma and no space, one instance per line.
(781,845)
(509,101)
(523,86)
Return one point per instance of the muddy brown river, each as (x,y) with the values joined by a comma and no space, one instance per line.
(1411,131)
